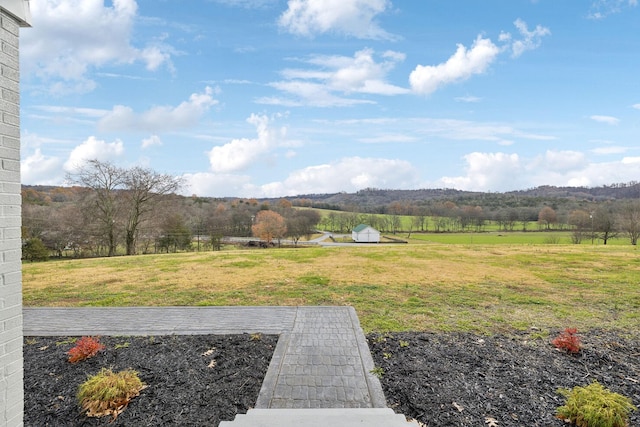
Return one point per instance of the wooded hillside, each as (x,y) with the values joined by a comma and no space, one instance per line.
(133,218)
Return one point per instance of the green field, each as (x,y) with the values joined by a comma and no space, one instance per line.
(509,238)
(429,286)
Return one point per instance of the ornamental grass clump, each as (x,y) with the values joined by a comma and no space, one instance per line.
(109,393)
(595,406)
(85,348)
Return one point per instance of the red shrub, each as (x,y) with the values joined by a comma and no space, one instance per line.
(568,341)
(85,348)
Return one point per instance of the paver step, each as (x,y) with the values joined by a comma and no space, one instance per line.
(334,417)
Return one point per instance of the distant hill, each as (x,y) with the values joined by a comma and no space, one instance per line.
(373,199)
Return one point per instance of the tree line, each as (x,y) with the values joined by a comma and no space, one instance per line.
(602,221)
(108,210)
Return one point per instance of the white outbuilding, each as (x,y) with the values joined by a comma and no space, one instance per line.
(365,234)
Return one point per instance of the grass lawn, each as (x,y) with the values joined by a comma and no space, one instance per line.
(429,286)
(510,238)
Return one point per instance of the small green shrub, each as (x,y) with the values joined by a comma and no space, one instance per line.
(595,406)
(109,393)
(377,371)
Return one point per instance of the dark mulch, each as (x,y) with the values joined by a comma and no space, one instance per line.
(452,379)
(182,389)
(460,379)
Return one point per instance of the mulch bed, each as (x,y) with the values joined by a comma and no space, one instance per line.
(444,379)
(182,388)
(462,379)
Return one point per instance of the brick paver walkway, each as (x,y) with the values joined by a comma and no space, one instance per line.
(321,361)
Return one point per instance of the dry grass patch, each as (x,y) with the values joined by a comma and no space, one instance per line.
(421,287)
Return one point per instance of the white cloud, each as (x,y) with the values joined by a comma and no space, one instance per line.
(69,38)
(561,161)
(600,9)
(241,153)
(38,169)
(483,172)
(631,160)
(470,99)
(310,94)
(459,67)
(29,141)
(335,77)
(93,113)
(388,138)
(156,56)
(609,150)
(506,172)
(431,130)
(502,134)
(464,63)
(532,39)
(248,4)
(486,171)
(605,119)
(93,148)
(151,141)
(220,185)
(347,174)
(160,118)
(355,18)
(636,106)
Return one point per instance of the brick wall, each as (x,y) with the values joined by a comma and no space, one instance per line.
(11,366)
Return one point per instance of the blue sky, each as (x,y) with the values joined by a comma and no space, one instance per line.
(270,98)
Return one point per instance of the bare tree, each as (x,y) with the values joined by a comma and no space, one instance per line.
(547,216)
(580,220)
(511,219)
(105,180)
(35,220)
(420,219)
(629,219)
(605,224)
(176,235)
(373,220)
(301,222)
(142,188)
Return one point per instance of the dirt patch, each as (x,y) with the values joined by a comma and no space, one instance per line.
(459,379)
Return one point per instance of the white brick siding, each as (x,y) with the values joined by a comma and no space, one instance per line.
(11,364)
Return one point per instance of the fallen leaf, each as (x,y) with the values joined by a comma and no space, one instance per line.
(209,352)
(458,407)
(212,364)
(491,422)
